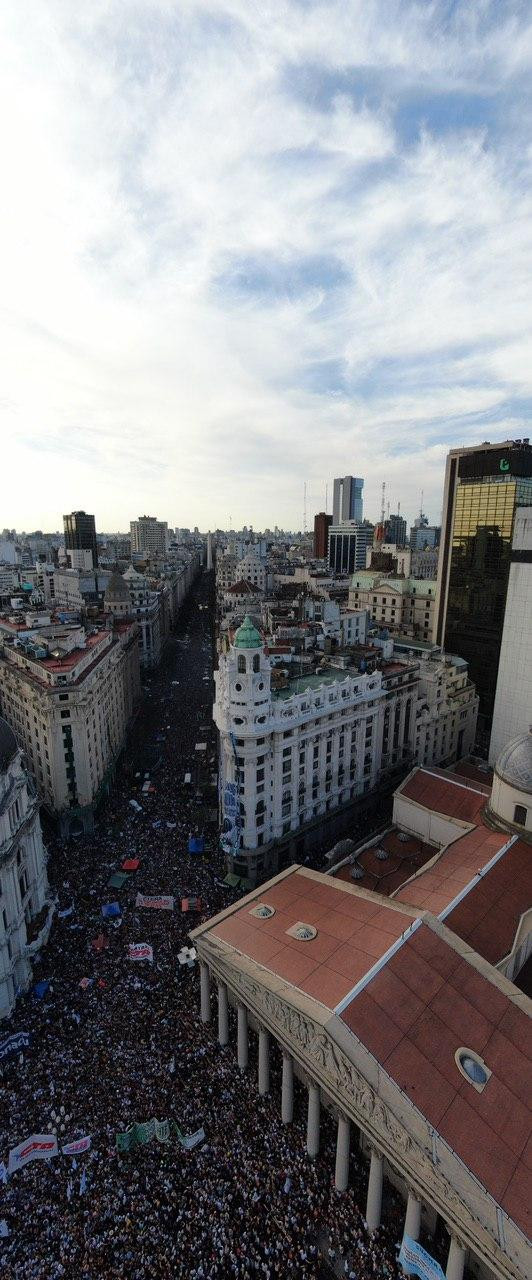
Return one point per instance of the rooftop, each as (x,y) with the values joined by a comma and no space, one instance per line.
(354,930)
(426,1003)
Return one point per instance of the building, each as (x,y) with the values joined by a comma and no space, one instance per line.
(80,540)
(348,544)
(387,558)
(69,694)
(25,904)
(398,1012)
(241,598)
(424,536)
(513,695)
(484,488)
(347,499)
(296,750)
(149,536)
(405,605)
(424,564)
(395,530)
(77,590)
(322,524)
(252,570)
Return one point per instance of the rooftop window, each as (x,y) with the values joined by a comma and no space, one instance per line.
(472,1067)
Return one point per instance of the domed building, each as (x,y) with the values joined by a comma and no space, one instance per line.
(510,803)
(117,599)
(24,893)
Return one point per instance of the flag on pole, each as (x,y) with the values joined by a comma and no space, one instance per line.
(83,1183)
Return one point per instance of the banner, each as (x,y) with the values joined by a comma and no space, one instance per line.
(160,903)
(40,1146)
(417,1262)
(190,1140)
(20,1040)
(142,1133)
(140,951)
(77,1147)
(111,909)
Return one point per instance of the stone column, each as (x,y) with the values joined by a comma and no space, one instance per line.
(205,992)
(287,1094)
(242,1051)
(341,1172)
(313,1120)
(412,1216)
(223,1014)
(264,1061)
(374,1201)
(455,1260)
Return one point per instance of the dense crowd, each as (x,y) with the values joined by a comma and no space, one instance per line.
(247,1201)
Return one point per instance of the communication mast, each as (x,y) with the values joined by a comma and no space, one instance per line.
(305,507)
(383,501)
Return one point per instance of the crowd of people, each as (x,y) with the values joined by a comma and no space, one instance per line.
(129,1046)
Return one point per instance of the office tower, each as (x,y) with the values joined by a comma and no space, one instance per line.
(80,540)
(484,488)
(424,535)
(512,713)
(395,530)
(149,536)
(347,499)
(348,543)
(322,524)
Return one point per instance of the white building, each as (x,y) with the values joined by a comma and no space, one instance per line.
(23,881)
(404,605)
(253,570)
(149,535)
(301,750)
(512,712)
(69,696)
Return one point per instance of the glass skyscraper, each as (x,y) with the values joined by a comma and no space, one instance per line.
(483,488)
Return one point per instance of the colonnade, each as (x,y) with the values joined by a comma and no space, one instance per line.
(457,1251)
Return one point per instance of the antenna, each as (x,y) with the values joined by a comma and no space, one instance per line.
(383,501)
(305,507)
(387,510)
(421,504)
(326,496)
(398,508)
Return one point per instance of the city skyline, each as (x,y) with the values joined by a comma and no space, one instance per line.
(240,254)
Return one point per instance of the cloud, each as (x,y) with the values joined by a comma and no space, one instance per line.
(247,245)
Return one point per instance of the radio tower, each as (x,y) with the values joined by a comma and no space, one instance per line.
(383,503)
(305,507)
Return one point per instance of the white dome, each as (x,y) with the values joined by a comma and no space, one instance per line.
(514,765)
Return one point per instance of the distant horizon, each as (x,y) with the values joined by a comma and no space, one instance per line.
(241,254)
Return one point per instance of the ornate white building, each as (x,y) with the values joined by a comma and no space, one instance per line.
(23,881)
(293,754)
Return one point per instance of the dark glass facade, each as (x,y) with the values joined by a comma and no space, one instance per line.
(487,488)
(80,534)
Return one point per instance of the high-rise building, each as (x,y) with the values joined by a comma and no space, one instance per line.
(484,487)
(395,530)
(512,713)
(80,540)
(322,524)
(149,536)
(348,543)
(347,499)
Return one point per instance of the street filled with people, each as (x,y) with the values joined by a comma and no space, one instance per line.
(225,1189)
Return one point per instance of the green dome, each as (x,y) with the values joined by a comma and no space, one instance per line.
(247,636)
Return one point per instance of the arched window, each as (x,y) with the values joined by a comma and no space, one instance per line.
(241,663)
(256,662)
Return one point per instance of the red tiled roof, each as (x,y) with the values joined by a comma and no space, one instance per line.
(455,867)
(353,931)
(445,794)
(487,918)
(242,588)
(423,1005)
(404,859)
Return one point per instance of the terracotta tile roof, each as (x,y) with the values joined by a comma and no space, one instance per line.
(487,918)
(445,793)
(426,1003)
(405,858)
(353,932)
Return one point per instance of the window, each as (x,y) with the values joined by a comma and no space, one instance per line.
(241,664)
(520,815)
(256,662)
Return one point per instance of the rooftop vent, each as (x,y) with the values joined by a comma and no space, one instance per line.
(381,854)
(303,932)
(357,872)
(472,1067)
(262,911)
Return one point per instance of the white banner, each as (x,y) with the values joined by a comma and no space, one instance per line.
(190,1140)
(75,1148)
(161,902)
(41,1146)
(140,951)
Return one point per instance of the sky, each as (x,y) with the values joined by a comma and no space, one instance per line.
(246,245)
